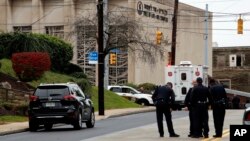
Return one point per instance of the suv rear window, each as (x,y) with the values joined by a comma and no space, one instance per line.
(52,91)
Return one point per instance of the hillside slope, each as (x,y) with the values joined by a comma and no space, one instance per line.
(111,100)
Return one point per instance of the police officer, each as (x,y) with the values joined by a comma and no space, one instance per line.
(200,100)
(188,105)
(236,102)
(163,98)
(219,106)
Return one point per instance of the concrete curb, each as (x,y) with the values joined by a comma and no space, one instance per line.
(14,131)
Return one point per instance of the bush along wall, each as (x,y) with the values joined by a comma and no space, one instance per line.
(30,65)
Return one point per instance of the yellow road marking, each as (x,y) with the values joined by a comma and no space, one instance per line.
(225,133)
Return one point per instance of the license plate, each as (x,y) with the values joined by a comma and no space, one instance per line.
(50,104)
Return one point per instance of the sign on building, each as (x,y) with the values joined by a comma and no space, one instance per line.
(93,57)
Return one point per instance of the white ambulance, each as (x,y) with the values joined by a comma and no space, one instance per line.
(181,77)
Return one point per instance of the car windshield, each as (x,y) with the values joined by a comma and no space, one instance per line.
(52,91)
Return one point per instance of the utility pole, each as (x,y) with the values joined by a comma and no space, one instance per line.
(106,29)
(174,30)
(100,58)
(206,37)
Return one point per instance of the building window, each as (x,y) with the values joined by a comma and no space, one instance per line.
(183,90)
(23,29)
(57,31)
(183,76)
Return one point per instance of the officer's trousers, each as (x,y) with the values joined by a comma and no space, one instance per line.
(191,127)
(200,119)
(218,115)
(160,110)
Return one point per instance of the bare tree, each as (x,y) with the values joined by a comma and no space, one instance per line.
(124,34)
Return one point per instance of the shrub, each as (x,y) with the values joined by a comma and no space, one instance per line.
(30,65)
(131,85)
(9,108)
(21,109)
(60,52)
(148,87)
(83,84)
(72,68)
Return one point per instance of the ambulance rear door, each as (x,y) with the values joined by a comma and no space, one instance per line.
(184,76)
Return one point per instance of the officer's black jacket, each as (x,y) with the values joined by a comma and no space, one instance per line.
(164,92)
(187,98)
(199,94)
(218,92)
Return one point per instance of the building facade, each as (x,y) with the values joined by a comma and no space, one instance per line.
(231,65)
(57,17)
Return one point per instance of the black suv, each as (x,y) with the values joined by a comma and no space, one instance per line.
(60,103)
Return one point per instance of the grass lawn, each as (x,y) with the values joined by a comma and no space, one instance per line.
(11,118)
(112,100)
(7,67)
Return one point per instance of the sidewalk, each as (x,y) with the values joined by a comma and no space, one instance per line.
(23,126)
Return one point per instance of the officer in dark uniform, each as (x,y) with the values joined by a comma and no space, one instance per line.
(163,98)
(219,106)
(236,102)
(188,105)
(200,100)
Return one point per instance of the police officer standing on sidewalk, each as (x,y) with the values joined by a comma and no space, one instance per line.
(219,106)
(163,98)
(188,105)
(200,100)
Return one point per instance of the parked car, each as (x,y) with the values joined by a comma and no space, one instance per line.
(60,103)
(246,116)
(132,94)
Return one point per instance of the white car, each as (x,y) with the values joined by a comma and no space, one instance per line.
(132,94)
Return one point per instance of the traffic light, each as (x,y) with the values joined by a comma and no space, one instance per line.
(240,26)
(112,59)
(158,37)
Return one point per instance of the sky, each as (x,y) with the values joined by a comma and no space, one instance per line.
(225,16)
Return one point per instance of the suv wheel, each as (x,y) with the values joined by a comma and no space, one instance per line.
(78,121)
(33,126)
(143,102)
(91,122)
(48,126)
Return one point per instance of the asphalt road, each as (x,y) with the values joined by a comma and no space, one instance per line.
(102,127)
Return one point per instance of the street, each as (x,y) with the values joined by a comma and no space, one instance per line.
(131,127)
